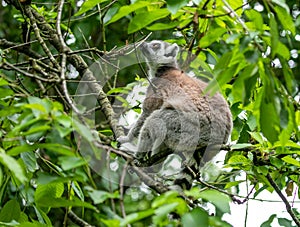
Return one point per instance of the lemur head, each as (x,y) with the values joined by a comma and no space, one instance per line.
(159,53)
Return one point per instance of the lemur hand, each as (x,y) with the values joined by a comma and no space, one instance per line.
(123,139)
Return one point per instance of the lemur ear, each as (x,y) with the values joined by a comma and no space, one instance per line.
(172,50)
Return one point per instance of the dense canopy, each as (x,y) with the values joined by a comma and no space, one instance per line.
(67,71)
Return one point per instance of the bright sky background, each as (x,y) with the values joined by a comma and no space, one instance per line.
(259,212)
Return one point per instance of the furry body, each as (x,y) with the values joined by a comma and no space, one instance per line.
(177,113)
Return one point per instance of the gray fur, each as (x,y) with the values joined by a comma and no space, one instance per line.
(177,114)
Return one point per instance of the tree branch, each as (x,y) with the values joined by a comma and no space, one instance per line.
(37,33)
(74,218)
(80,66)
(21,48)
(64,58)
(49,80)
(286,202)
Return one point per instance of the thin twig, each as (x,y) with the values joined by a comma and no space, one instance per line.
(242,23)
(122,206)
(74,218)
(21,48)
(38,36)
(82,67)
(232,196)
(64,58)
(113,205)
(285,201)
(5,63)
(231,11)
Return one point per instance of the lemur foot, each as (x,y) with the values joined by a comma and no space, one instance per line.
(123,139)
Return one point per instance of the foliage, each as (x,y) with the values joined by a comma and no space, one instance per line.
(248,51)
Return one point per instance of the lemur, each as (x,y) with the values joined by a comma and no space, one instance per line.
(178,113)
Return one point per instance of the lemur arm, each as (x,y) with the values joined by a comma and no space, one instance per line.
(135,130)
(150,104)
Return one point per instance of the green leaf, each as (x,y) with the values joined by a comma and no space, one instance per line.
(211,36)
(164,198)
(3,82)
(111,222)
(285,19)
(233,184)
(274,35)
(110,13)
(119,90)
(39,106)
(13,166)
(262,170)
(278,163)
(283,4)
(220,200)
(1,181)
(99,196)
(124,102)
(107,132)
(268,223)
(77,189)
(197,217)
(239,160)
(26,122)
(50,195)
(241,84)
(42,217)
(62,202)
(288,76)
(48,191)
(290,160)
(84,131)
(126,10)
(256,19)
(224,61)
(236,4)
(167,202)
(174,6)
(223,77)
(240,146)
(216,221)
(87,5)
(285,222)
(257,136)
(163,26)
(143,19)
(58,148)
(29,160)
(269,121)
(68,163)
(12,223)
(283,51)
(162,212)
(10,211)
(63,131)
(64,120)
(39,129)
(250,85)
(131,218)
(4,93)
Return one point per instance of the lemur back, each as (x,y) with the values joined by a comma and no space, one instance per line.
(177,112)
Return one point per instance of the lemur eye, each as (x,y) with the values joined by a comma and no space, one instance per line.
(155,46)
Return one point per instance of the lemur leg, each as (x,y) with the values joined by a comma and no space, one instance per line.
(152,135)
(134,131)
